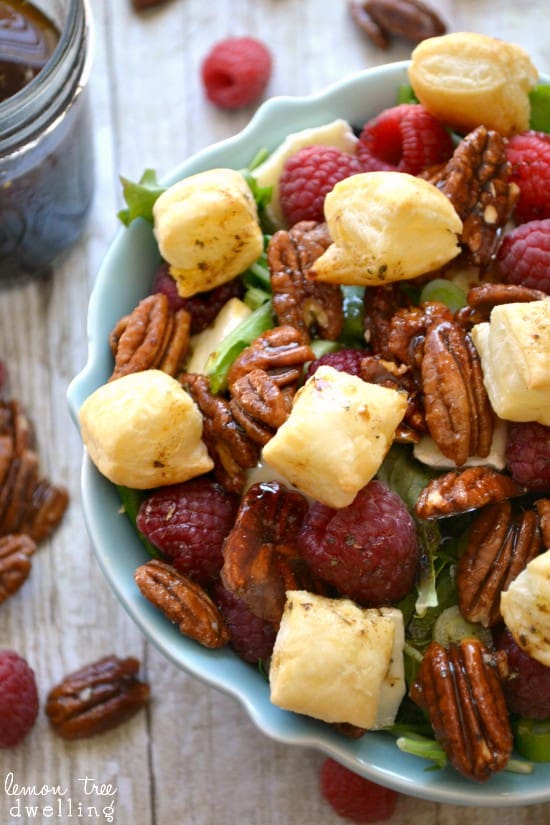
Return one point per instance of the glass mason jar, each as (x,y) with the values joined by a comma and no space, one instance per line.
(46,151)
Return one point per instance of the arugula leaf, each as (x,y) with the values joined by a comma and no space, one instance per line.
(540,109)
(140,197)
(405,94)
(131,500)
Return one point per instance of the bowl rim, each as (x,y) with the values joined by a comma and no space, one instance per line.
(97,498)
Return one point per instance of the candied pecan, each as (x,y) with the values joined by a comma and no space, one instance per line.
(150,337)
(96,698)
(475,180)
(261,558)
(410,19)
(183,601)
(45,510)
(380,303)
(310,306)
(259,405)
(461,690)
(458,412)
(17,490)
(15,563)
(500,545)
(542,507)
(407,330)
(376,370)
(231,450)
(147,4)
(483,298)
(281,352)
(461,490)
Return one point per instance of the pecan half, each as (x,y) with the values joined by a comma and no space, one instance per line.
(231,450)
(482,299)
(380,304)
(542,506)
(281,352)
(461,490)
(376,370)
(500,545)
(458,412)
(259,405)
(310,306)
(408,327)
(183,601)
(460,688)
(410,19)
(475,180)
(261,559)
(15,563)
(96,698)
(150,337)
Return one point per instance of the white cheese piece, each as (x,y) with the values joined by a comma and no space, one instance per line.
(143,431)
(336,436)
(525,608)
(338,662)
(337,133)
(514,348)
(205,343)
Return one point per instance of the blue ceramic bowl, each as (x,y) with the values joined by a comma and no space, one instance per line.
(125,278)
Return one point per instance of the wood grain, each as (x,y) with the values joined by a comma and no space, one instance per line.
(195,757)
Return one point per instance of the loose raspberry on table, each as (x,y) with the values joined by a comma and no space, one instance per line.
(529,157)
(252,638)
(236,72)
(188,522)
(308,176)
(354,797)
(528,455)
(405,138)
(368,551)
(524,256)
(18,698)
(527,689)
(344,360)
(204,306)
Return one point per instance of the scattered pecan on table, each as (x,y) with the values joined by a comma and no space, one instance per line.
(96,698)
(183,601)
(460,688)
(15,563)
(411,19)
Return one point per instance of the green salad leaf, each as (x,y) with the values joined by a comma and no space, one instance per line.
(540,108)
(131,501)
(140,197)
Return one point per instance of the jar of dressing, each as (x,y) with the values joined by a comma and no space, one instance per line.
(46,151)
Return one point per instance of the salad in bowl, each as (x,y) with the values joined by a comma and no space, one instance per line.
(316,427)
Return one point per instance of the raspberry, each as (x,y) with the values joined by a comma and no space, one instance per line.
(528,455)
(405,138)
(527,689)
(524,256)
(354,797)
(188,523)
(203,306)
(236,71)
(529,156)
(345,360)
(367,550)
(307,176)
(252,638)
(18,698)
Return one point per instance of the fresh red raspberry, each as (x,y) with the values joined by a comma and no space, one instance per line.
(252,638)
(529,157)
(524,256)
(188,523)
(527,689)
(368,551)
(204,306)
(18,698)
(236,71)
(354,797)
(405,138)
(528,455)
(345,360)
(310,174)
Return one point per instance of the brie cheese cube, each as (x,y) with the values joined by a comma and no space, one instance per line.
(336,436)
(514,348)
(143,430)
(205,343)
(525,608)
(338,662)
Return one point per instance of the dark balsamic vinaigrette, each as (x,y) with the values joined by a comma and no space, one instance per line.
(27,41)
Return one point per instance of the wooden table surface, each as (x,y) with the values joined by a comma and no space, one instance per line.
(194,758)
